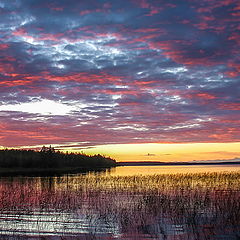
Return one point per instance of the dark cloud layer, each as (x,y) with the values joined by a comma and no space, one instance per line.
(122,71)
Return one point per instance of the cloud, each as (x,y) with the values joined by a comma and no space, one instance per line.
(119,72)
(150,155)
(42,106)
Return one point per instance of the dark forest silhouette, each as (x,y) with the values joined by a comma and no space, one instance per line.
(48,158)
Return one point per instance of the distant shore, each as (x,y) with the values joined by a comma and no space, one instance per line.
(149,163)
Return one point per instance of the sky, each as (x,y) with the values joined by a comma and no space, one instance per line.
(115,77)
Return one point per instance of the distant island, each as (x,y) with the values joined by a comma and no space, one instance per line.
(47,160)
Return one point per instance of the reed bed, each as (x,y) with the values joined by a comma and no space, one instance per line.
(222,180)
(187,206)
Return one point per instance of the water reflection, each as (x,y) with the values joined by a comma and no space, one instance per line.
(151,170)
(199,206)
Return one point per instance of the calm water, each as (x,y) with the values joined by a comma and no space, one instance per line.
(117,205)
(151,170)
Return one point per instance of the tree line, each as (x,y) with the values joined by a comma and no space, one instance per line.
(47,157)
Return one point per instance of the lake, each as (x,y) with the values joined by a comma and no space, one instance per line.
(153,202)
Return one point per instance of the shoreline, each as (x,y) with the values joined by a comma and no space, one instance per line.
(11,172)
(146,163)
(5,172)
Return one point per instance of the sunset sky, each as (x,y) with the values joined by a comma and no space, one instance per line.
(132,79)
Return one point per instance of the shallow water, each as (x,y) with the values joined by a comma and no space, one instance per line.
(110,206)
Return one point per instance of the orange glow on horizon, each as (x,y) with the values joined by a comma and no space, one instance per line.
(167,152)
